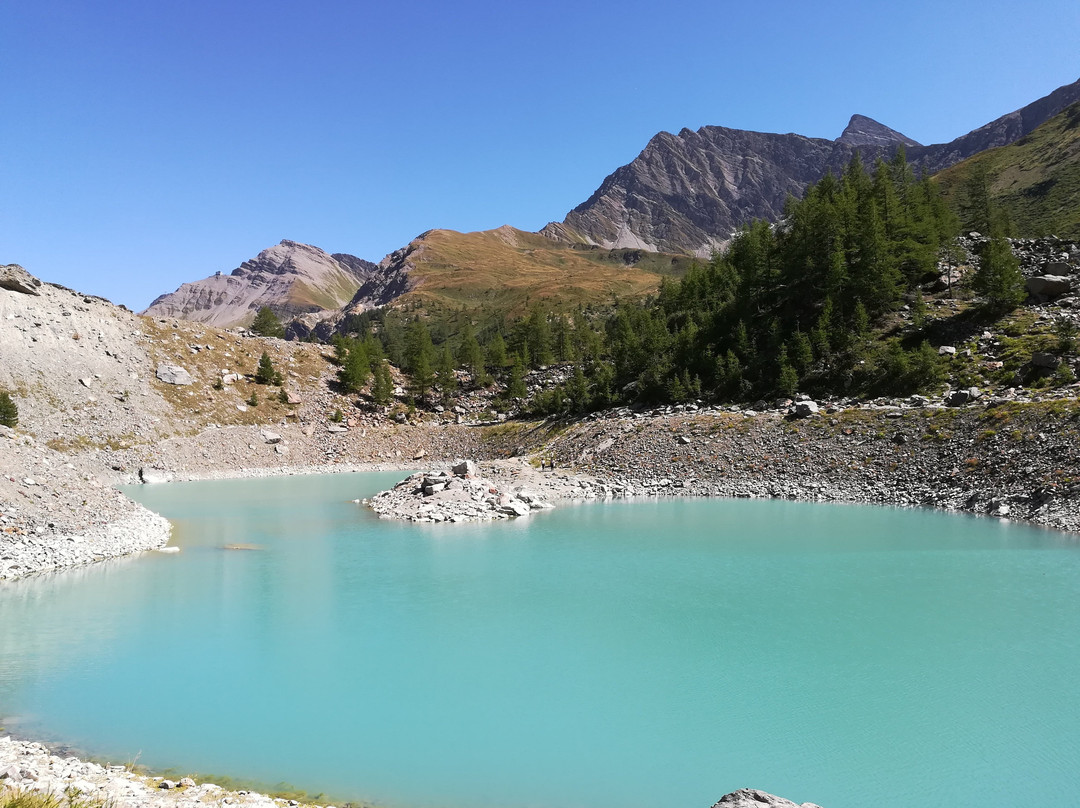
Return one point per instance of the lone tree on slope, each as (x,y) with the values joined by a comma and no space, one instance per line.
(267,324)
(266,374)
(9,413)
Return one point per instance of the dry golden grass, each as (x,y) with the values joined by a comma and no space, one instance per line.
(509,269)
(303,367)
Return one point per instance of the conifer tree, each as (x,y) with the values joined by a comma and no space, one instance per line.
(470,356)
(382,385)
(496,352)
(266,324)
(422,377)
(515,386)
(998,277)
(418,347)
(787,379)
(265,373)
(444,374)
(9,412)
(356,369)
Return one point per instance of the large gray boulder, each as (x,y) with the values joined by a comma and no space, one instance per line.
(16,279)
(464,468)
(173,374)
(1046,287)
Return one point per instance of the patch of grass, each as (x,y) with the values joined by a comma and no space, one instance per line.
(71,798)
(1035,180)
(82,443)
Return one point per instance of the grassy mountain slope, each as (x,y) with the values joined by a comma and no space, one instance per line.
(1036,180)
(510,269)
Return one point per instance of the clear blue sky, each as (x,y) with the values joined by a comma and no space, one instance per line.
(143,144)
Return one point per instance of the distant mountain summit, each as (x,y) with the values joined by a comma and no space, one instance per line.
(689,192)
(290,278)
(863,131)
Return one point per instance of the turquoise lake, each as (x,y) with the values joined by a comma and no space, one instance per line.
(648,653)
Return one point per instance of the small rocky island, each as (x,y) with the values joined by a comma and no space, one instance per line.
(457,494)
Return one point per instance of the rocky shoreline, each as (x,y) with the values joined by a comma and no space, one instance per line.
(136,532)
(29,766)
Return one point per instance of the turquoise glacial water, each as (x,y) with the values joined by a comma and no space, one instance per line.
(631,654)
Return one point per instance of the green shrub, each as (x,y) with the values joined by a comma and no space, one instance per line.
(9,413)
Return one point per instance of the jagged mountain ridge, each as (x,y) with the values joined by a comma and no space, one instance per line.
(689,192)
(290,278)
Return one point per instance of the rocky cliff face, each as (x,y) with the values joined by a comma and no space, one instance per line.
(290,278)
(689,192)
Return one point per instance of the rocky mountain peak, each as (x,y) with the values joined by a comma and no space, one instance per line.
(864,131)
(291,278)
(687,193)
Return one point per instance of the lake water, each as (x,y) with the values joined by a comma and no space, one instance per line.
(631,654)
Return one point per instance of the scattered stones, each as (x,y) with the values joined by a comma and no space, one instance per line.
(30,767)
(460,494)
(752,798)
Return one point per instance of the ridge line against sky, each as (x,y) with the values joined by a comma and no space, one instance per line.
(146,145)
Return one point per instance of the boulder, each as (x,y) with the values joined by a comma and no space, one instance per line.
(516,507)
(270,437)
(16,279)
(1046,287)
(149,476)
(946,350)
(173,374)
(464,468)
(805,409)
(1045,360)
(962,397)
